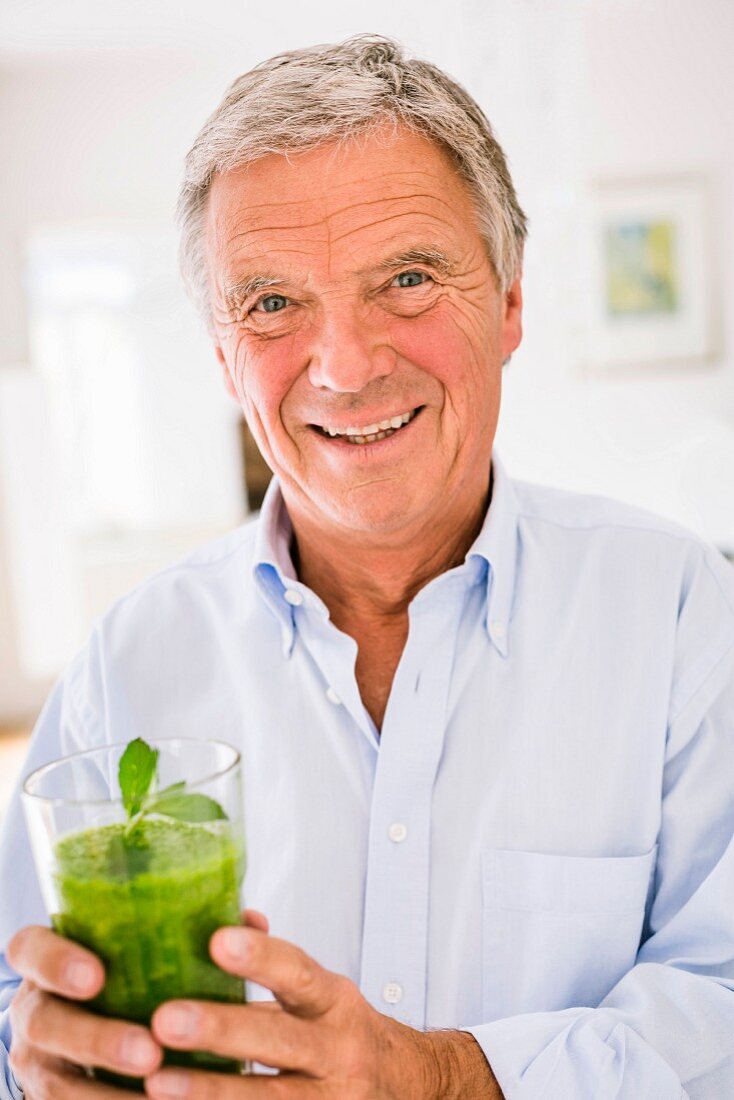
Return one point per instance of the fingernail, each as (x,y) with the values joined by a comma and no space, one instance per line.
(236,942)
(81,974)
(137,1050)
(170,1083)
(178,1021)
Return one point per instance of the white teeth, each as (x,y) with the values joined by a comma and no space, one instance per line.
(371,431)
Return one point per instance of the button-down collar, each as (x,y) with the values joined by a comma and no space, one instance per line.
(496,545)
(273,568)
(493,555)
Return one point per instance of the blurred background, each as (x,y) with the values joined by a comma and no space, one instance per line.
(119,450)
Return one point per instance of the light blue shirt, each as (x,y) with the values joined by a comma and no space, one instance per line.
(538,847)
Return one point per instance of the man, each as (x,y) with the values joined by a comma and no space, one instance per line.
(487,728)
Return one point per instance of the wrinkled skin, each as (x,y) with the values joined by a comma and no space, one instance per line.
(319,1030)
(352,338)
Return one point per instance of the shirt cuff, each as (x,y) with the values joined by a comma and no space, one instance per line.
(9,1087)
(9,982)
(573,1054)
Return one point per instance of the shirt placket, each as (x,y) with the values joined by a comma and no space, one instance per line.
(334,655)
(395,931)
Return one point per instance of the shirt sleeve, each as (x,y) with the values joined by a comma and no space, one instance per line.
(69,721)
(666,1029)
(9,1088)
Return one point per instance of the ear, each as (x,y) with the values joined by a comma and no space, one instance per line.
(225,373)
(512,319)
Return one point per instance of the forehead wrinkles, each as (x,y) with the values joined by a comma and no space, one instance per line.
(392,214)
(275,195)
(372,223)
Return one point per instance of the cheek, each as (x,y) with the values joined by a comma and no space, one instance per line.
(264,372)
(453,348)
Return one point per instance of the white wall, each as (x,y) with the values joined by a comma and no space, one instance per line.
(88,149)
(98,105)
(622,89)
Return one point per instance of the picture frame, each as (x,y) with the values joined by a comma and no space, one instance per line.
(650,284)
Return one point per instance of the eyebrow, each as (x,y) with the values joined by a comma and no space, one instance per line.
(430,257)
(239,291)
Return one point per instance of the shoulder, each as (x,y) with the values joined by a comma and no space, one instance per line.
(195,602)
(589,512)
(212,555)
(170,634)
(633,571)
(622,532)
(219,567)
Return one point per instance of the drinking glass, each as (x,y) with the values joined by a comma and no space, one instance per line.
(144,895)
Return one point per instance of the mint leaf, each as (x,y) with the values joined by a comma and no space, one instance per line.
(174,802)
(172,789)
(135,774)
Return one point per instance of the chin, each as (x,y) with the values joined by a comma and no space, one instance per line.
(383,506)
(373,514)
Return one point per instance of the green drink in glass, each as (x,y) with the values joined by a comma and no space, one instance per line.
(140,856)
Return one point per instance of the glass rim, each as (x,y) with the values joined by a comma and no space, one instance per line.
(38,773)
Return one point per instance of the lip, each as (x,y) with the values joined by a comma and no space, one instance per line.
(378,445)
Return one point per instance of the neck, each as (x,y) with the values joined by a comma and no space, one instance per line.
(363,580)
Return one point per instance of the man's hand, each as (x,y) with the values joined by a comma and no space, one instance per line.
(320,1031)
(53,1038)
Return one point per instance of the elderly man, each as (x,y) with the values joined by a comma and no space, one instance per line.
(487,728)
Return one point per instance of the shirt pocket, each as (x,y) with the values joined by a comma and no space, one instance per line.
(558,930)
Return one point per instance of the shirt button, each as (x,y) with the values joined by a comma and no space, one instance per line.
(332,696)
(397,832)
(498,629)
(292,597)
(392,993)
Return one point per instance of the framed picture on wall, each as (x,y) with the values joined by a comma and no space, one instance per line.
(650,286)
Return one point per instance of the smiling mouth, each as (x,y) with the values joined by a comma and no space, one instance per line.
(369,433)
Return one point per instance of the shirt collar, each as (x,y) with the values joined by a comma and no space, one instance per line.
(495,545)
(272,566)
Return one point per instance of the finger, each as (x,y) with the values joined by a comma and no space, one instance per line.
(55,963)
(256,920)
(297,980)
(54,1078)
(251,1032)
(65,1030)
(196,1085)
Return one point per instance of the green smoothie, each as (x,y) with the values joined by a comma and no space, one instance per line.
(146,899)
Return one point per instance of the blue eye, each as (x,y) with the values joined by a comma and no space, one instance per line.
(410,278)
(272,304)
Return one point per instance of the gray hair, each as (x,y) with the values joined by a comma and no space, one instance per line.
(305,98)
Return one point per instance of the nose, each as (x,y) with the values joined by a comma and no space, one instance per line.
(348,353)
